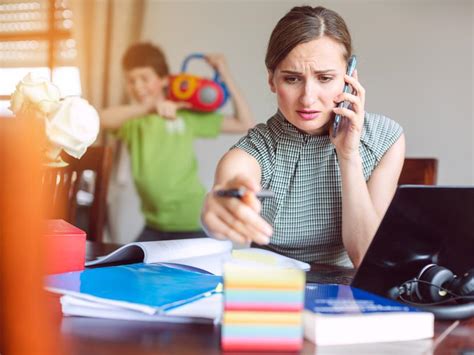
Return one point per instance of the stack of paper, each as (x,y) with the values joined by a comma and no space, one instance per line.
(262,308)
(140,291)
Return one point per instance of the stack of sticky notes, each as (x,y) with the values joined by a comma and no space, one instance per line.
(263,306)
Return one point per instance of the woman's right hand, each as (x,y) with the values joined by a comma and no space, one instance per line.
(236,219)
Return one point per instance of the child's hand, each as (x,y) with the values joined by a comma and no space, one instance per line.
(167,109)
(218,62)
(236,219)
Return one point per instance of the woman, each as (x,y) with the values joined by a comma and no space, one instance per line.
(331,193)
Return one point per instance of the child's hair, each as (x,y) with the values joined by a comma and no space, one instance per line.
(145,55)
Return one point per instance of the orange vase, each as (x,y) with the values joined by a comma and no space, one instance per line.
(26,321)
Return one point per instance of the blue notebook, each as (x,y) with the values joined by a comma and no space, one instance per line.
(150,288)
(340,314)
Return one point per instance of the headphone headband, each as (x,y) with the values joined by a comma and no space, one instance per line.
(434,287)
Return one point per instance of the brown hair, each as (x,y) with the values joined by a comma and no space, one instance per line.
(145,55)
(304,24)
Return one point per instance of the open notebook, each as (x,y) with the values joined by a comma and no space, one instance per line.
(203,253)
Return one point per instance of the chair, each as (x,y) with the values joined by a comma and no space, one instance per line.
(61,186)
(419,171)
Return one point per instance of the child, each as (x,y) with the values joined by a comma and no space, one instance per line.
(159,135)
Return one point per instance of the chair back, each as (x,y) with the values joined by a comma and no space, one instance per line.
(63,184)
(419,171)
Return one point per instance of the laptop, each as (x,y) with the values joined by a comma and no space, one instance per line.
(423,225)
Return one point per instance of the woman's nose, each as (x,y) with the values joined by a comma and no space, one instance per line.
(308,95)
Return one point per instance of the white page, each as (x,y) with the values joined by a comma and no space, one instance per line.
(205,309)
(165,250)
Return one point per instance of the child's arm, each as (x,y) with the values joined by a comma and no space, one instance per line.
(242,119)
(114,117)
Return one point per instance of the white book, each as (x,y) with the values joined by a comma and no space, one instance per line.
(339,314)
(204,253)
(203,310)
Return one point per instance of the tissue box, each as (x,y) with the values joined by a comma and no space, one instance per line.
(65,247)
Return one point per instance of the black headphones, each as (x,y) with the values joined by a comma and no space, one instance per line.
(438,290)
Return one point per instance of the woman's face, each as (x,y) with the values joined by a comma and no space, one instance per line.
(307,81)
(145,86)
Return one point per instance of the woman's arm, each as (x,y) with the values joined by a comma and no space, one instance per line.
(364,203)
(242,119)
(231,218)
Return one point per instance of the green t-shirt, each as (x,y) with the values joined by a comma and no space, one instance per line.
(164,166)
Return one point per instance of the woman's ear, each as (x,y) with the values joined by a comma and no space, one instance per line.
(271,83)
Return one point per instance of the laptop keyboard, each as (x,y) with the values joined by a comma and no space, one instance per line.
(341,277)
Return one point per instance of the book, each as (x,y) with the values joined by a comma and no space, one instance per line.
(207,310)
(151,289)
(203,253)
(339,314)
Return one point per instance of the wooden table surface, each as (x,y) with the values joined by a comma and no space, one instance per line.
(89,336)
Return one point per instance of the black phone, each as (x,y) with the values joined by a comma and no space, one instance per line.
(351,64)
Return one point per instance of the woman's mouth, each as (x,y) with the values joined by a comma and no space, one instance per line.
(308,114)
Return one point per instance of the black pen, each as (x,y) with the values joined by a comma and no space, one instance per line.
(239,193)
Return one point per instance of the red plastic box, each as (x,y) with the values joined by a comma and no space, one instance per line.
(65,247)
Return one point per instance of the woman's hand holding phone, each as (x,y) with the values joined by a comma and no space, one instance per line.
(351,65)
(346,134)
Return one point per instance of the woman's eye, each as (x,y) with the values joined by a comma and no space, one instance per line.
(291,79)
(325,79)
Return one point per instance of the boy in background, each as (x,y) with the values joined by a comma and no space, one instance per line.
(159,135)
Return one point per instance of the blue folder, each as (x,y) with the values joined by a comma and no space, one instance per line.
(158,287)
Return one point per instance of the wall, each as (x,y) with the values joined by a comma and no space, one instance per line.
(415,61)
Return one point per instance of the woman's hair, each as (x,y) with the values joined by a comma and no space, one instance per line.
(145,55)
(304,24)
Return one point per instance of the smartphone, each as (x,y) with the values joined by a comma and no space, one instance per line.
(351,64)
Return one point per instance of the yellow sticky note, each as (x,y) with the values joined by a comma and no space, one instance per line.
(249,255)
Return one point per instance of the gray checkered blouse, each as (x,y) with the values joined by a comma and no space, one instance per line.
(303,171)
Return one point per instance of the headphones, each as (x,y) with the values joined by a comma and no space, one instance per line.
(438,290)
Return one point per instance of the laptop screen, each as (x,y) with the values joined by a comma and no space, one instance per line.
(423,225)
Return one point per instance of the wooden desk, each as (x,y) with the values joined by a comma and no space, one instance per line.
(102,336)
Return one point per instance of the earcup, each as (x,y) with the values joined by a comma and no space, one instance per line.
(464,286)
(431,279)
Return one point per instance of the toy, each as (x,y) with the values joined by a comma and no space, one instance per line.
(203,94)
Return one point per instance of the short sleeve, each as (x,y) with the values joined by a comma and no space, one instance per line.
(127,130)
(123,132)
(203,124)
(380,133)
(260,145)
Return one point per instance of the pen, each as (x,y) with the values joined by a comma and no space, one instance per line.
(337,119)
(239,193)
